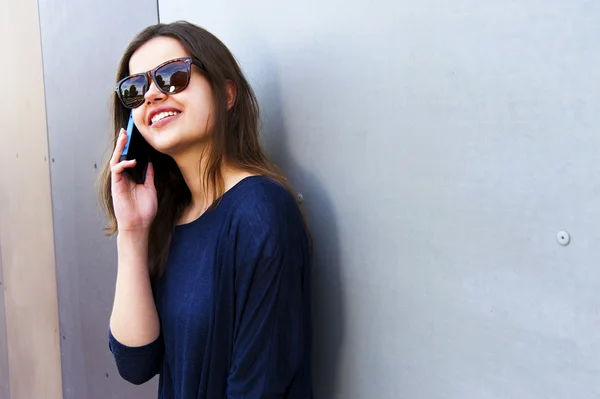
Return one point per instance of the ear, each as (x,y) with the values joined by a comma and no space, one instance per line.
(231,91)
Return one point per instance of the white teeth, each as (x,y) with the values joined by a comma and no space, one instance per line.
(162,115)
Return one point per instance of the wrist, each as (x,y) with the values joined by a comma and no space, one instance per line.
(132,244)
(132,251)
(133,235)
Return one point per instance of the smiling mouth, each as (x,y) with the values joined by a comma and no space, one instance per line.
(163,117)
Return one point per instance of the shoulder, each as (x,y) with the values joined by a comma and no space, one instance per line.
(260,198)
(263,207)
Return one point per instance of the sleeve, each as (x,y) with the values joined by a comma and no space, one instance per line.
(139,364)
(270,336)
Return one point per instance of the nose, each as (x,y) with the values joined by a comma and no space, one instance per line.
(153,94)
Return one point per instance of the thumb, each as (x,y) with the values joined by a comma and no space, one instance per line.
(149,182)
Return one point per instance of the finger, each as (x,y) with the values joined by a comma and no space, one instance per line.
(149,182)
(121,166)
(121,141)
(116,155)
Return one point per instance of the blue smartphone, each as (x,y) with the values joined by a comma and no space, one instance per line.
(136,148)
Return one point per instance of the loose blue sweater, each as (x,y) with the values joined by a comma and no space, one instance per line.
(233,303)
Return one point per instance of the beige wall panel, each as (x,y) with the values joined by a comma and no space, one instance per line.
(26,232)
(4,375)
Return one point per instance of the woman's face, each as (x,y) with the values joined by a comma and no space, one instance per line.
(189,128)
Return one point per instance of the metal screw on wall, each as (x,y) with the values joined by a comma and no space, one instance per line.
(563,238)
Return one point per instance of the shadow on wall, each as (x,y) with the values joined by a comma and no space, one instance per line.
(328,311)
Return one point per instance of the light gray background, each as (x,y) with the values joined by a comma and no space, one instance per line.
(439,147)
(82,42)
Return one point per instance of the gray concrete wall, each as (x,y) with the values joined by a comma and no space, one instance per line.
(440,147)
(82,42)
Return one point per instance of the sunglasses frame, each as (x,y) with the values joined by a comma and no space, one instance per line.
(151,75)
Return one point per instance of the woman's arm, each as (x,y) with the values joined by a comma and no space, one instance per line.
(134,324)
(271,341)
(134,320)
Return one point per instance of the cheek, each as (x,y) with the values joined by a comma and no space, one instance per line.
(199,108)
(199,96)
(138,116)
(138,119)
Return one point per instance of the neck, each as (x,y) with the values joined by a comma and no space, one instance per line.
(193,168)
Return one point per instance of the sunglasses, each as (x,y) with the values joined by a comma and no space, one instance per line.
(170,77)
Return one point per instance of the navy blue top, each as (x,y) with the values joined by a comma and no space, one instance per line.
(233,303)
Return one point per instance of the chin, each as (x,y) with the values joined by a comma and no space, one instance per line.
(175,142)
(164,144)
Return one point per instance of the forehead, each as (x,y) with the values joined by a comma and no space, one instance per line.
(155,52)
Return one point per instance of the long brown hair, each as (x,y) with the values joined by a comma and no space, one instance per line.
(235,137)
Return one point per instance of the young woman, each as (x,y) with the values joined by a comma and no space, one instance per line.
(212,289)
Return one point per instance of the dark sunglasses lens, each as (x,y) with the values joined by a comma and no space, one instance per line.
(133,90)
(173,77)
